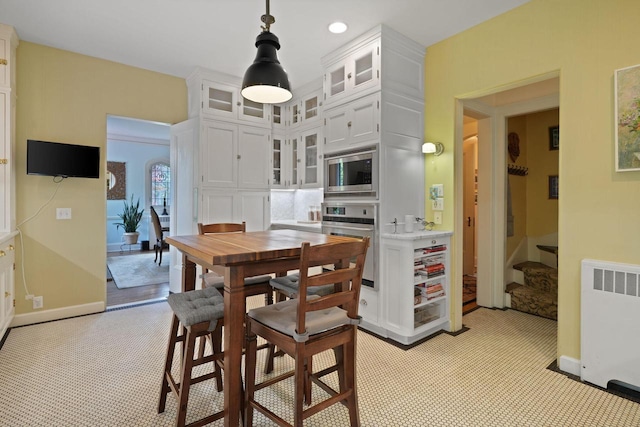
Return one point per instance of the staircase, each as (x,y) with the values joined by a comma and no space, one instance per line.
(539,294)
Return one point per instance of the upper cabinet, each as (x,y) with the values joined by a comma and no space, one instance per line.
(217,95)
(355,70)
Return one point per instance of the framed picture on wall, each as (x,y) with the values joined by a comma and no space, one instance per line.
(554,138)
(553,186)
(627,115)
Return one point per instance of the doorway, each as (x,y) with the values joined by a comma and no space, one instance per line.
(139,151)
(470,209)
(491,110)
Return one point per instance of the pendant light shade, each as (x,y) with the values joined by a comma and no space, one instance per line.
(265,80)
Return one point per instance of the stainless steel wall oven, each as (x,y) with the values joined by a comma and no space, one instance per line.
(355,220)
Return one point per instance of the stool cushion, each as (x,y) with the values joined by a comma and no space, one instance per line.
(215,280)
(282,317)
(202,305)
(289,286)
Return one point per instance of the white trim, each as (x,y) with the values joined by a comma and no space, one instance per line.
(138,139)
(569,365)
(57,313)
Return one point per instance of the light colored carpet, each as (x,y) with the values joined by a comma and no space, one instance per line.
(105,370)
(129,271)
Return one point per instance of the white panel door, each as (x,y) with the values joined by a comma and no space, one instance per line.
(336,131)
(254,151)
(364,120)
(218,206)
(219,152)
(254,210)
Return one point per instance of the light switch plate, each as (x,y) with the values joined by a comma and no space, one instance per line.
(63,213)
(437,217)
(437,204)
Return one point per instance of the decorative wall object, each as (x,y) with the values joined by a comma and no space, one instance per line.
(554,138)
(513,146)
(627,114)
(116,180)
(553,186)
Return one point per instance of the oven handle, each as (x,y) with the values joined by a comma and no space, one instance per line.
(343,227)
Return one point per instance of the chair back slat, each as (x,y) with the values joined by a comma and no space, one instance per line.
(156,224)
(346,273)
(221,227)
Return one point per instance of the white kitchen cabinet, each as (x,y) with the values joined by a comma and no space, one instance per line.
(225,101)
(7,282)
(251,207)
(353,124)
(306,106)
(279,117)
(8,45)
(234,156)
(352,71)
(296,160)
(416,273)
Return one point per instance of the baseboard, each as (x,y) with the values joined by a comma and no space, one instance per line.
(57,314)
(569,365)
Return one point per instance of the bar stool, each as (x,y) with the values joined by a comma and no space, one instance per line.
(201,313)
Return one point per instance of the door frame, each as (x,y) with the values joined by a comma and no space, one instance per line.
(491,219)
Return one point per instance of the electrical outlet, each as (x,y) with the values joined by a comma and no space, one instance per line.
(437,217)
(37,302)
(63,213)
(437,204)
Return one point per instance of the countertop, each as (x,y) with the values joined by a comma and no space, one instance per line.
(417,235)
(297,225)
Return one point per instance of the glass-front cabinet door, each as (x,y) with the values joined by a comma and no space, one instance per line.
(219,99)
(312,158)
(295,161)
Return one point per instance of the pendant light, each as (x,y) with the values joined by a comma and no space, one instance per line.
(265,80)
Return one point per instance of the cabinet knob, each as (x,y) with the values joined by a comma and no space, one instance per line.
(11,247)
(4,161)
(349,75)
(238,157)
(239,103)
(2,253)
(3,61)
(7,294)
(363,302)
(433,242)
(349,124)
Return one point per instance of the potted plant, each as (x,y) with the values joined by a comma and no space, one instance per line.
(131,217)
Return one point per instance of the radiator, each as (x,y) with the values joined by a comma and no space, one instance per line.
(610,323)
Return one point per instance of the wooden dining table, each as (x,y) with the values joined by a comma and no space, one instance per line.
(236,256)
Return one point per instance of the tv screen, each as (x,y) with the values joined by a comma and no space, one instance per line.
(65,160)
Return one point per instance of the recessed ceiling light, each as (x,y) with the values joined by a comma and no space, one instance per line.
(338,27)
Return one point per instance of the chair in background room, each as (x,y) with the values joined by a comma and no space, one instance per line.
(257,285)
(160,243)
(196,314)
(303,327)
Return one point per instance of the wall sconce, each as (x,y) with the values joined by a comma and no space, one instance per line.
(435,148)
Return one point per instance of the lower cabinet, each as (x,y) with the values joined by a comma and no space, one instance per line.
(415,273)
(7,283)
(252,207)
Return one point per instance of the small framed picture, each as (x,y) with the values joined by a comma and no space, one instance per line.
(554,137)
(553,186)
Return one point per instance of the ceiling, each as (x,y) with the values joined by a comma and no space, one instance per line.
(175,36)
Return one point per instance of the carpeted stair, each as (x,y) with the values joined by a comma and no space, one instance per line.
(539,294)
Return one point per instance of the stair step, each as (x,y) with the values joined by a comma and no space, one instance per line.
(513,286)
(531,264)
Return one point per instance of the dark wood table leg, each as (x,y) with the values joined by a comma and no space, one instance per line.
(234,311)
(188,274)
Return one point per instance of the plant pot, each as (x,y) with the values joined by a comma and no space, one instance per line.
(131,238)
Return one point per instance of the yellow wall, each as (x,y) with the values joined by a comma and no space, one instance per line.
(586,40)
(542,212)
(65,97)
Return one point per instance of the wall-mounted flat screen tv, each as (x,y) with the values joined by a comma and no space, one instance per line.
(65,160)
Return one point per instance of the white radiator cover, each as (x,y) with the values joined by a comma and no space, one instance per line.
(610,323)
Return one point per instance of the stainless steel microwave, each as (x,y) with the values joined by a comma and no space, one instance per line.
(351,174)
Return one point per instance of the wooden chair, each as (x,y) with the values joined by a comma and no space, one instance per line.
(160,243)
(201,313)
(303,327)
(256,285)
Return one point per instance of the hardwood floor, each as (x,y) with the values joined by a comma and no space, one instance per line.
(116,296)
